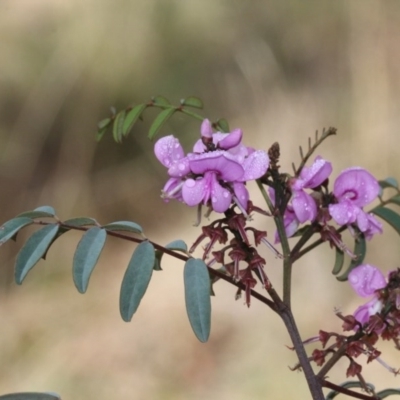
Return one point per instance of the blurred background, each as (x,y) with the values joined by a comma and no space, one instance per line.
(280,71)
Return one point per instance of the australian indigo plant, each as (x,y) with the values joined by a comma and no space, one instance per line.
(307,209)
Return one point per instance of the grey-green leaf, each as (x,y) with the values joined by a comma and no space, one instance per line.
(118,126)
(339,260)
(80,221)
(387,392)
(222,125)
(177,245)
(389,182)
(192,101)
(394,200)
(33,250)
(160,120)
(131,118)
(360,249)
(11,228)
(40,212)
(197,297)
(86,256)
(388,215)
(124,226)
(136,279)
(30,396)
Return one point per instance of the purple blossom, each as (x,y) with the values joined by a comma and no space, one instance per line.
(354,188)
(366,280)
(215,173)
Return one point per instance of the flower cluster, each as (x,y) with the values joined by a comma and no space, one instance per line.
(353,189)
(215,173)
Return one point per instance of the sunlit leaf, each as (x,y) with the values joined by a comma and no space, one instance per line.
(197,297)
(80,221)
(222,125)
(339,260)
(86,256)
(131,118)
(160,120)
(124,226)
(360,249)
(192,101)
(177,245)
(30,396)
(11,228)
(33,250)
(161,101)
(40,212)
(136,279)
(118,126)
(388,215)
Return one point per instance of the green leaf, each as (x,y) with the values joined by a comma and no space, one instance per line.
(160,120)
(339,260)
(40,212)
(388,215)
(192,101)
(30,396)
(124,226)
(177,245)
(222,125)
(136,279)
(104,123)
(131,118)
(360,249)
(160,101)
(157,260)
(394,200)
(100,133)
(33,250)
(197,297)
(11,228)
(387,392)
(389,183)
(118,126)
(86,256)
(80,221)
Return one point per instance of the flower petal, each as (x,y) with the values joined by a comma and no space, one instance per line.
(374,227)
(357,185)
(345,212)
(255,166)
(221,197)
(241,193)
(231,140)
(316,174)
(220,162)
(206,128)
(179,168)
(366,279)
(304,206)
(363,312)
(167,150)
(194,191)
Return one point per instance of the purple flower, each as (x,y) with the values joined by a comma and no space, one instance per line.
(366,280)
(354,188)
(304,205)
(215,173)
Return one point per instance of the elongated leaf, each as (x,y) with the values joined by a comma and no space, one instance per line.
(339,260)
(124,226)
(160,120)
(387,392)
(197,297)
(118,126)
(11,228)
(360,249)
(33,250)
(394,200)
(222,125)
(192,101)
(388,215)
(80,221)
(86,256)
(178,245)
(389,182)
(104,123)
(30,396)
(40,212)
(131,118)
(100,133)
(161,100)
(136,279)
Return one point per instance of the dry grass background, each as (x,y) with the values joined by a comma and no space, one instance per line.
(277,69)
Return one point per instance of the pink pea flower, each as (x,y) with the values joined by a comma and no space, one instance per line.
(304,205)
(366,280)
(354,188)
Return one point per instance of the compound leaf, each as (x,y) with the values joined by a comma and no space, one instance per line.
(136,279)
(86,256)
(197,297)
(33,250)
(10,228)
